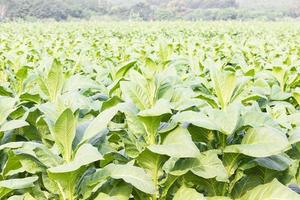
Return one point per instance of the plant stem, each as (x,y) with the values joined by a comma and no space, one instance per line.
(155,177)
(61,191)
(70,192)
(223,139)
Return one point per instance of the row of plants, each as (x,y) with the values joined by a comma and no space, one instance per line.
(141,111)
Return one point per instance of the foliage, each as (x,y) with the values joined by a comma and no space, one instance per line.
(150,111)
(148,10)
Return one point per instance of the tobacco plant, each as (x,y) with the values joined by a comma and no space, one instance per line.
(150,111)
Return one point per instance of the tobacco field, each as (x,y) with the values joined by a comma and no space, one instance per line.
(150,111)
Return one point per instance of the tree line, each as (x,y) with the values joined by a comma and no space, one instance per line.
(138,10)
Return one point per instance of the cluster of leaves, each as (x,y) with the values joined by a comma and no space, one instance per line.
(188,111)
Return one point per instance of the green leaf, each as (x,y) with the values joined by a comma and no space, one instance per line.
(7,186)
(296,95)
(161,107)
(66,183)
(11,145)
(150,162)
(55,80)
(26,196)
(12,166)
(6,107)
(224,84)
(280,74)
(196,118)
(231,162)
(120,191)
(276,162)
(134,175)
(272,190)
(52,85)
(77,82)
(167,185)
(211,187)
(47,157)
(277,94)
(218,198)
(178,143)
(258,119)
(64,133)
(92,182)
(261,142)
(225,121)
(294,136)
(85,155)
(99,124)
(206,165)
(135,125)
(66,176)
(51,186)
(123,69)
(188,194)
(13,124)
(136,90)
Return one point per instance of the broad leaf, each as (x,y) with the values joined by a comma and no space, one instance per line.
(272,190)
(85,155)
(161,107)
(261,142)
(276,162)
(120,191)
(134,175)
(13,124)
(64,133)
(224,85)
(6,107)
(99,124)
(7,186)
(188,194)
(178,143)
(206,165)
(55,80)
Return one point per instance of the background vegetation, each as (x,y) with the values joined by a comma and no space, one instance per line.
(149,9)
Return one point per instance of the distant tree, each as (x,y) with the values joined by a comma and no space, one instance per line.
(164,14)
(143,10)
(178,5)
(3,10)
(157,2)
(103,6)
(295,11)
(213,3)
(19,8)
(56,9)
(86,4)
